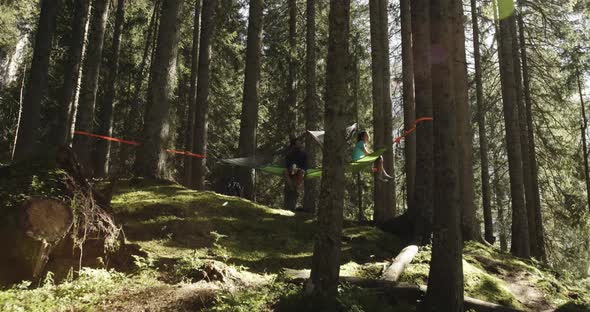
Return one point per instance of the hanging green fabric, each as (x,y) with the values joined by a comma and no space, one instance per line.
(315,173)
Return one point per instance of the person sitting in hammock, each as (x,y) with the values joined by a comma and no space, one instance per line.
(295,163)
(360,151)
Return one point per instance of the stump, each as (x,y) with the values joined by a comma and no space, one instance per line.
(31,236)
(51,219)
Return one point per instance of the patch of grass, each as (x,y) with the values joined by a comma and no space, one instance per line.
(481,285)
(171,221)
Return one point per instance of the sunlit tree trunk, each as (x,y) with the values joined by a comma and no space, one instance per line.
(151,158)
(249,118)
(192,97)
(445,280)
(584,129)
(325,266)
(539,235)
(105,113)
(72,72)
(469,223)
(202,107)
(28,133)
(290,116)
(85,118)
(481,122)
(313,119)
(408,99)
(384,194)
(520,236)
(131,121)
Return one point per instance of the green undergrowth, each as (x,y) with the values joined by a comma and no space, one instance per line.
(91,288)
(282,296)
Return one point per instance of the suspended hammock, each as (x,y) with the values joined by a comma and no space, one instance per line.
(263,158)
(315,173)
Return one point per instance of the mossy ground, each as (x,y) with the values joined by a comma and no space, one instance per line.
(180,229)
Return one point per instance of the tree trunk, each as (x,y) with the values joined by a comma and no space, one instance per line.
(445,280)
(20,110)
(192,97)
(89,89)
(389,194)
(584,129)
(105,118)
(532,156)
(291,194)
(29,124)
(469,223)
(152,159)
(422,216)
(312,110)
(202,103)
(249,118)
(481,122)
(74,61)
(325,266)
(132,122)
(499,202)
(524,144)
(384,194)
(408,100)
(520,236)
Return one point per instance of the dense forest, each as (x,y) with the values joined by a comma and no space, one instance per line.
(477,109)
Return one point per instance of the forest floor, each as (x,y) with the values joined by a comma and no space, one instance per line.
(209,252)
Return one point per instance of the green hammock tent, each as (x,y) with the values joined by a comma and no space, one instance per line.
(315,173)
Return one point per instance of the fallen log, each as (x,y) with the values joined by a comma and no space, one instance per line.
(411,293)
(398,265)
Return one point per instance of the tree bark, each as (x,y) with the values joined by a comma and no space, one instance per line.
(469,223)
(499,202)
(249,118)
(524,144)
(132,122)
(151,158)
(424,197)
(408,100)
(481,122)
(384,194)
(325,266)
(312,110)
(202,106)
(105,118)
(584,128)
(74,61)
(28,134)
(445,280)
(192,97)
(520,237)
(291,194)
(539,235)
(88,92)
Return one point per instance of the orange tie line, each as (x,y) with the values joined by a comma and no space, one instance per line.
(187,153)
(409,131)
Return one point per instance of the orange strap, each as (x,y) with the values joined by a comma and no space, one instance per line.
(187,153)
(409,131)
